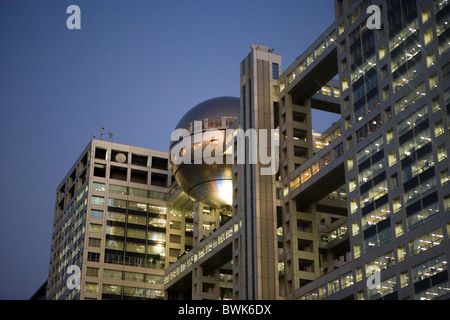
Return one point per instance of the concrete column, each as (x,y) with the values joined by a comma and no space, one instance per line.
(205,284)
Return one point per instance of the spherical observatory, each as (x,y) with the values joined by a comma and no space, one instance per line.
(201,129)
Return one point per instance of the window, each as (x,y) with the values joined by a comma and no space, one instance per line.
(98,186)
(175,238)
(425,15)
(100,170)
(275,71)
(392,158)
(429,268)
(382,262)
(159,222)
(382,52)
(428,36)
(386,287)
(445,178)
(305,175)
(112,289)
(112,274)
(91,287)
(350,163)
(344,84)
(118,189)
(396,204)
(92,272)
(118,173)
(430,59)
(426,241)
(358,274)
(442,152)
(299,117)
(401,253)
(399,229)
(100,153)
(160,163)
(351,185)
(438,128)
(356,250)
(137,219)
(139,176)
(94,242)
(389,136)
(300,151)
(433,81)
(404,279)
(158,179)
(175,225)
(353,206)
(96,214)
(115,230)
(139,160)
(133,276)
(355,228)
(117,203)
(447,204)
(435,104)
(174,252)
(93,256)
(94,227)
(116,216)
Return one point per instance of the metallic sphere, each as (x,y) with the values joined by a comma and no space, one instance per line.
(209,183)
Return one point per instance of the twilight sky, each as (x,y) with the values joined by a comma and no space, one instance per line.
(135,68)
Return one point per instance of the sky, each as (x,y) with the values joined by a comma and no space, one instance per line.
(135,68)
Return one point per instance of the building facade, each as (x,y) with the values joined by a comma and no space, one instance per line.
(113,222)
(360,211)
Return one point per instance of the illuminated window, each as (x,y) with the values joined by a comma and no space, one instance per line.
(309,59)
(399,229)
(350,163)
(428,36)
(396,204)
(306,175)
(357,251)
(401,253)
(438,128)
(337,92)
(326,91)
(355,228)
(445,178)
(430,59)
(442,152)
(382,52)
(351,185)
(353,206)
(426,241)
(425,15)
(433,80)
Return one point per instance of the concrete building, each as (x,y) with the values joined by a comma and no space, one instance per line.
(360,211)
(112,220)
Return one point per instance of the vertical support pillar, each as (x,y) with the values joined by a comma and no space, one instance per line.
(205,283)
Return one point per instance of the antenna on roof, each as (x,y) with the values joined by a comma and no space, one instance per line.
(101,133)
(110,136)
